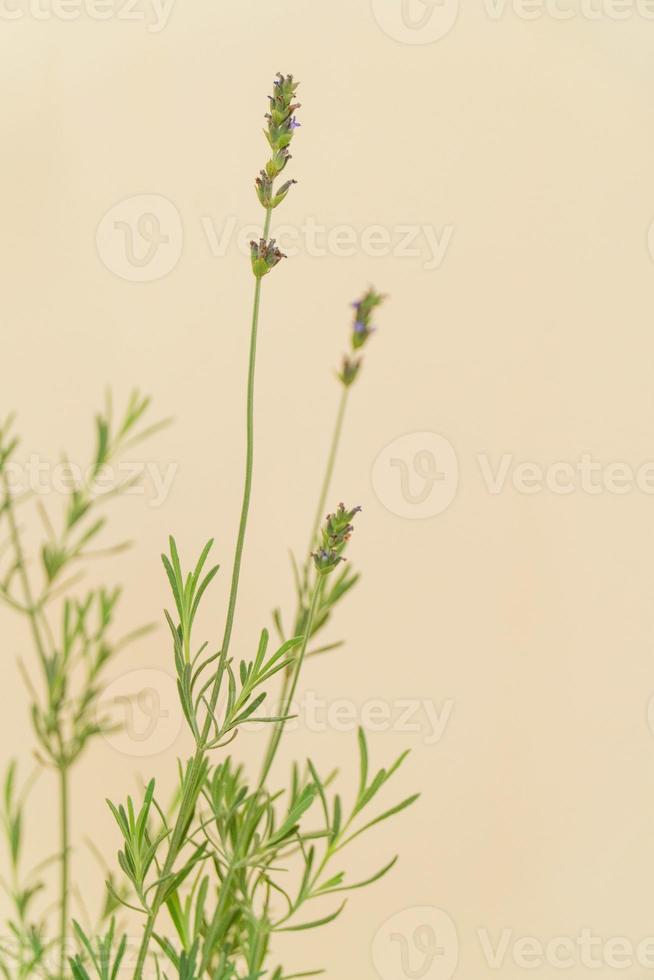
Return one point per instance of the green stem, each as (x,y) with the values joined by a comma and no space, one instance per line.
(186,807)
(32,612)
(329,471)
(212,930)
(322,499)
(247,492)
(189,798)
(292,686)
(65,864)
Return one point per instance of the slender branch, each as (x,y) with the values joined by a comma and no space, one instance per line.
(65,863)
(329,470)
(264,256)
(33,611)
(212,929)
(247,489)
(322,500)
(290,693)
(190,796)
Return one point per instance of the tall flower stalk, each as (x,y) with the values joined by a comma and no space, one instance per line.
(281,124)
(220,865)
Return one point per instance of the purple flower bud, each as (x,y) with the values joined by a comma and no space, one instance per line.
(364,307)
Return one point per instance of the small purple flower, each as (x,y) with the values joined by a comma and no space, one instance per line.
(359,327)
(294,124)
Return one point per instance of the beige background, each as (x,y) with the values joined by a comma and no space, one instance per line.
(531,615)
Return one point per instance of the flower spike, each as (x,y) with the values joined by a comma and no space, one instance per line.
(362,329)
(335,535)
(363,309)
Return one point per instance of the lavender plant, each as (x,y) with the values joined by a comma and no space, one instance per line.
(220,865)
(237,860)
(74,640)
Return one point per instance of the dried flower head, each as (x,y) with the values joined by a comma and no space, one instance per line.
(265,256)
(267,196)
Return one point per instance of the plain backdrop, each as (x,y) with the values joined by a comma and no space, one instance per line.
(496,182)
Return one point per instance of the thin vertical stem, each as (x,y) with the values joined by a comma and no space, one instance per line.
(65,863)
(322,500)
(329,470)
(292,686)
(247,487)
(32,612)
(279,726)
(189,798)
